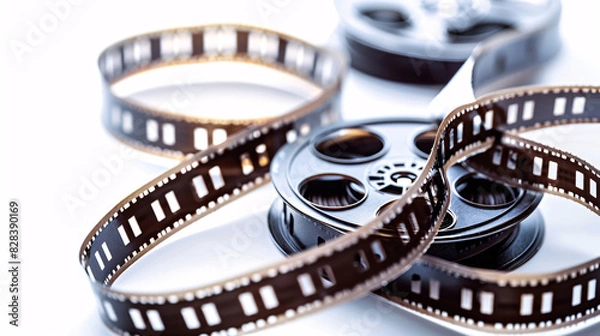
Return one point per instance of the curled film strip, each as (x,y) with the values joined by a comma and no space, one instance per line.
(211,178)
(176,135)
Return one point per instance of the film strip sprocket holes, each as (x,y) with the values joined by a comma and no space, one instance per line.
(331,274)
(175,135)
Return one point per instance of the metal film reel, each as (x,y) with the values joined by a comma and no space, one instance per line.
(426,41)
(349,173)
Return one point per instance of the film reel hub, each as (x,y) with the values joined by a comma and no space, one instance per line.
(395,176)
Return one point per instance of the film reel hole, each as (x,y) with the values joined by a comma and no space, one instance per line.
(480,191)
(423,142)
(476,32)
(386,18)
(332,191)
(350,145)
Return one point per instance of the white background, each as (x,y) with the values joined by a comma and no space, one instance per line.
(53,145)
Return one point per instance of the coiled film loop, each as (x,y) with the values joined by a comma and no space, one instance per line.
(172,134)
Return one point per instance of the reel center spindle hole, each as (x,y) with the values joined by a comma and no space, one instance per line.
(403,178)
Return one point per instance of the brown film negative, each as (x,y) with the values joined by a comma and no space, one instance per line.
(484,131)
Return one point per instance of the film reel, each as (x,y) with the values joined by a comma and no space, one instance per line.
(427,41)
(357,169)
(352,265)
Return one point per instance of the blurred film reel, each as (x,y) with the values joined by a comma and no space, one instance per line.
(426,41)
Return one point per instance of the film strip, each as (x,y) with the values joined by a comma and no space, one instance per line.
(329,274)
(175,135)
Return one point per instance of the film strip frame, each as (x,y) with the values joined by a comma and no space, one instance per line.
(328,274)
